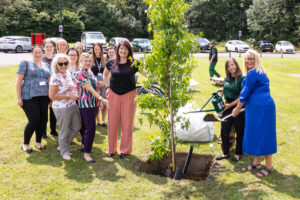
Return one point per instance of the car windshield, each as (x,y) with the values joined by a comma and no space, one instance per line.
(144,41)
(239,42)
(95,36)
(285,43)
(121,39)
(203,40)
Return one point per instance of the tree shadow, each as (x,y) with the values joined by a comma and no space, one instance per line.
(198,189)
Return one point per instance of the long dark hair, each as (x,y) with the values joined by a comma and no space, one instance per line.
(238,70)
(130,53)
(77,62)
(103,60)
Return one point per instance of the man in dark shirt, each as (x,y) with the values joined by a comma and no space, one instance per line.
(213,59)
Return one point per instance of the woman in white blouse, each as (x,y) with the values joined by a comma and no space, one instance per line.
(63,93)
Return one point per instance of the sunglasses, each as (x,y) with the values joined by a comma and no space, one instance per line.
(61,64)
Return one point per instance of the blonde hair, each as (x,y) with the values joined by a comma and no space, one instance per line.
(61,41)
(79,44)
(55,61)
(258,66)
(84,56)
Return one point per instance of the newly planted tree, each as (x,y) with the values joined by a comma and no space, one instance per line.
(169,65)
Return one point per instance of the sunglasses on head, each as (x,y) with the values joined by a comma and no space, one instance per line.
(61,64)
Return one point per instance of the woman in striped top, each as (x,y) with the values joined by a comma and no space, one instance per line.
(88,103)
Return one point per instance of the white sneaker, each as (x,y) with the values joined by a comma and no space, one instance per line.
(66,157)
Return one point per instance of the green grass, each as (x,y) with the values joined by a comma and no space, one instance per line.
(44,175)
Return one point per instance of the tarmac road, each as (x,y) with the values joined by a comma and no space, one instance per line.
(12,58)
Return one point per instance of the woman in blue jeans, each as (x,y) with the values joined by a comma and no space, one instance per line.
(32,96)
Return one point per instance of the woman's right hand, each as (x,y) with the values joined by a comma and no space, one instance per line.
(227,106)
(20,102)
(74,96)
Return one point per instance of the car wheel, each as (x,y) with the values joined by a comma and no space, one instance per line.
(18,49)
(236,50)
(5,51)
(226,49)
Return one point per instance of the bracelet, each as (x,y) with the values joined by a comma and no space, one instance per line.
(100,98)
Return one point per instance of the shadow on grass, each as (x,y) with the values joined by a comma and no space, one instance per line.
(203,189)
(288,184)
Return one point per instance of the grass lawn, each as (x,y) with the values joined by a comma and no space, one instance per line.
(44,175)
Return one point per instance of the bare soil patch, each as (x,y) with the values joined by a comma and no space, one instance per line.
(201,167)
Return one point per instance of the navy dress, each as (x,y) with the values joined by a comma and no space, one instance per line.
(260,116)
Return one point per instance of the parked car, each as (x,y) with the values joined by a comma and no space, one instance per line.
(2,40)
(237,46)
(89,38)
(115,41)
(16,43)
(54,39)
(141,44)
(203,43)
(265,46)
(284,46)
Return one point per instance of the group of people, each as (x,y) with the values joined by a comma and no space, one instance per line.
(256,127)
(77,86)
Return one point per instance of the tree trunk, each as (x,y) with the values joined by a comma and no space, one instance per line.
(171,119)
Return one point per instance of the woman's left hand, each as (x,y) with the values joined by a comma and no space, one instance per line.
(235,112)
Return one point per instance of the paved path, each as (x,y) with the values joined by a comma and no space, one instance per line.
(12,58)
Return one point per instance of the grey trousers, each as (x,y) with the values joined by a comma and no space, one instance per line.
(69,123)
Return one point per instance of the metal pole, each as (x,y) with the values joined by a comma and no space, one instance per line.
(240,22)
(60,13)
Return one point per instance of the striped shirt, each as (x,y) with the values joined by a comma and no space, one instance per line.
(87,100)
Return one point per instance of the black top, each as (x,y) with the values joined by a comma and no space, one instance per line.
(122,78)
(213,51)
(97,68)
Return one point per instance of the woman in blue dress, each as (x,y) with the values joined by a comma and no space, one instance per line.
(260,117)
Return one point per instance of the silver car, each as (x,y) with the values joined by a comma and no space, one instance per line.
(16,43)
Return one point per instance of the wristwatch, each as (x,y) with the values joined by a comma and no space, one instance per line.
(100,98)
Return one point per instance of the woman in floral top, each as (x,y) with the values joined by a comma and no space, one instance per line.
(63,93)
(88,103)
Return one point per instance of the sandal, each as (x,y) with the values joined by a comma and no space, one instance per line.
(247,168)
(263,174)
(236,159)
(40,147)
(26,150)
(222,157)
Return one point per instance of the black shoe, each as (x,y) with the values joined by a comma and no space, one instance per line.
(104,125)
(222,157)
(44,136)
(90,161)
(54,133)
(110,155)
(123,155)
(26,150)
(98,124)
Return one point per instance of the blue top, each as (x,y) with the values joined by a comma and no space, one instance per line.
(35,79)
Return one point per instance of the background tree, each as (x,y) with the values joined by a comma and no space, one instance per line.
(170,64)
(274,20)
(218,19)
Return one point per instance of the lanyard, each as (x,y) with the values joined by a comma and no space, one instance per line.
(41,72)
(98,64)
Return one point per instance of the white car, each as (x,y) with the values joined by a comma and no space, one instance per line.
(89,38)
(237,46)
(284,46)
(16,43)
